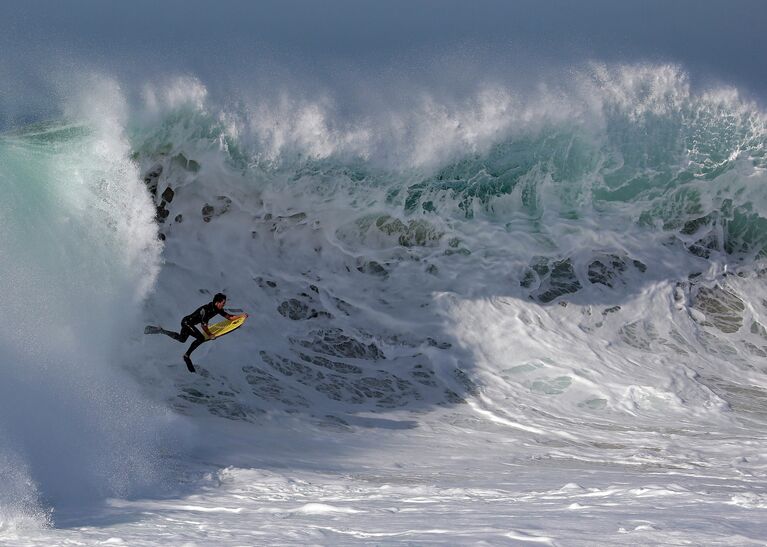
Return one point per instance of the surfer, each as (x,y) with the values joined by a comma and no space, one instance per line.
(200,316)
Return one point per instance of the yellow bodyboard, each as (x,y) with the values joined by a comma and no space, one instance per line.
(219,329)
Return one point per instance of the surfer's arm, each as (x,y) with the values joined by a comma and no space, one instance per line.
(207,331)
(231,317)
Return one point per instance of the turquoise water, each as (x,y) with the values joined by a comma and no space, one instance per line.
(626,147)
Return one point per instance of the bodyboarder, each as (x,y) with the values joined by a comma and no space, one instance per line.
(201,316)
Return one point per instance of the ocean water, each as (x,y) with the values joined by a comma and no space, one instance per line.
(519,316)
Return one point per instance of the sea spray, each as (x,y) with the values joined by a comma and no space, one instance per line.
(79,254)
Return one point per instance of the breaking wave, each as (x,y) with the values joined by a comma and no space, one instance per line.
(575,263)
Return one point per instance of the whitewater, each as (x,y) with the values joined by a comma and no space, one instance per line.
(521,316)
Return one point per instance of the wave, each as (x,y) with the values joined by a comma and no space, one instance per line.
(622,193)
(564,262)
(632,144)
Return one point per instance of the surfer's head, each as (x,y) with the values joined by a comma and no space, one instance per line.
(219,300)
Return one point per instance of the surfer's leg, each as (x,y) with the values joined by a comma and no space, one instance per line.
(199,339)
(186,332)
(189,364)
(175,335)
(159,330)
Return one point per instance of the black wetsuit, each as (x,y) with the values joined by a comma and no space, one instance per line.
(203,314)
